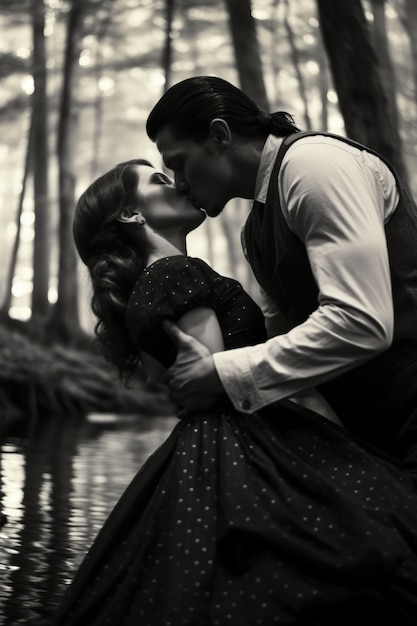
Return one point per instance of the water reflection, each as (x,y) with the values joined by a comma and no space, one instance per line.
(56,490)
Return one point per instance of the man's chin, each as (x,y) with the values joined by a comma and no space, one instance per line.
(213,211)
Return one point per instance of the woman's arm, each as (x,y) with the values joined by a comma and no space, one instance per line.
(202,324)
(313,400)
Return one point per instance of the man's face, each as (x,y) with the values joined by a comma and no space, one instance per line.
(201,169)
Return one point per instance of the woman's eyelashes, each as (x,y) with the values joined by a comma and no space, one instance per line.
(161,179)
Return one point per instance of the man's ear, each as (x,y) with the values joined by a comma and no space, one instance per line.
(220,132)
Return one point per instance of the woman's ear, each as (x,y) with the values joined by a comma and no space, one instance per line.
(124,217)
(220,132)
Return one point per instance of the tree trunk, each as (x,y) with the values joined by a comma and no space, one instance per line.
(410,25)
(40,303)
(66,315)
(247,53)
(5,307)
(167,51)
(296,62)
(388,78)
(356,75)
(323,81)
(102,29)
(275,60)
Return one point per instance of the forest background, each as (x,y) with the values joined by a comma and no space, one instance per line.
(78,79)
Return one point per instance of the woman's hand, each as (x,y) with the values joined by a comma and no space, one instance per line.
(193,378)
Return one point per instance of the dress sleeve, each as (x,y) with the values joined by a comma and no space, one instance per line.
(167,290)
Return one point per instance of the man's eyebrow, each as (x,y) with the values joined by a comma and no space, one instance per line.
(168,163)
(171,160)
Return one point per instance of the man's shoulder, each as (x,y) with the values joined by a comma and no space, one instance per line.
(319,138)
(318,150)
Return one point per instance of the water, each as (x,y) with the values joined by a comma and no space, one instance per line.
(56,490)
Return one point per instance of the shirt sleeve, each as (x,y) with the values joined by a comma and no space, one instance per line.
(275,322)
(335,203)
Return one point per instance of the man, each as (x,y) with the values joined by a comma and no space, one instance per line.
(332,240)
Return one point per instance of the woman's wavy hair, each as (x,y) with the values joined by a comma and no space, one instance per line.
(189,106)
(112,260)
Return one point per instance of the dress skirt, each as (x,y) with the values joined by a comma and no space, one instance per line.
(244,520)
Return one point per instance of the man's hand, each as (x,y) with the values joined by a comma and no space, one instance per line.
(193,378)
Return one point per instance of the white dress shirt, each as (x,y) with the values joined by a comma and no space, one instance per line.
(336,199)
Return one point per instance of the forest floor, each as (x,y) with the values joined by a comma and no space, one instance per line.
(39,378)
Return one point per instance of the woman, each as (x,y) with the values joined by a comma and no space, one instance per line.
(272,518)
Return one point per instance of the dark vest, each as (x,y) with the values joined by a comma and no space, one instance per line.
(375,400)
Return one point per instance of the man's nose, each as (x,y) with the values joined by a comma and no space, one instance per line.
(181,184)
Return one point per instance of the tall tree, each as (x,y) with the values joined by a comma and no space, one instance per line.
(249,66)
(101,33)
(5,307)
(409,20)
(356,75)
(247,52)
(295,56)
(275,60)
(388,77)
(65,317)
(167,51)
(40,303)
(323,83)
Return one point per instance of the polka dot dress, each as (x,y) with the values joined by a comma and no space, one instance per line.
(243,520)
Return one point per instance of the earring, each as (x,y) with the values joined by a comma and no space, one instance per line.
(140,219)
(136,218)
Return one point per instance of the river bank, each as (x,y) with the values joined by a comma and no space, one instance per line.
(38,378)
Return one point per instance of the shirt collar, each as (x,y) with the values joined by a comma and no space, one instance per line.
(268,158)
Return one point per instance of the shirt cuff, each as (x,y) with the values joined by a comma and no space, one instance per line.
(233,368)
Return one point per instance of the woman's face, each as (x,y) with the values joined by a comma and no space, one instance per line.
(162,205)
